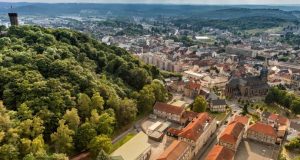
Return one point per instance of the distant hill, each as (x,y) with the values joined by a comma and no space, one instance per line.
(246,12)
(146,10)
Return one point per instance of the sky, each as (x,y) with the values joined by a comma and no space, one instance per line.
(271,2)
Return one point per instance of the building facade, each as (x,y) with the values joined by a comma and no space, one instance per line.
(249,86)
(262,132)
(218,105)
(232,135)
(198,131)
(169,112)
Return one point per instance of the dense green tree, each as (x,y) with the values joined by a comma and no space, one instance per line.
(62,138)
(294,144)
(97,102)
(98,143)
(106,124)
(44,72)
(24,112)
(9,152)
(32,128)
(146,99)
(85,133)
(126,111)
(84,108)
(102,155)
(295,106)
(159,90)
(199,104)
(72,119)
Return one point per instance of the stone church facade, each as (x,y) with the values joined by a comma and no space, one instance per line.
(249,86)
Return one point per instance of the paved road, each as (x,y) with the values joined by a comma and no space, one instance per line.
(211,142)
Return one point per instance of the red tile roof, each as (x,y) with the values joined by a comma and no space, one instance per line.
(193,85)
(164,107)
(190,114)
(196,127)
(174,151)
(242,119)
(220,153)
(263,128)
(232,132)
(174,131)
(278,118)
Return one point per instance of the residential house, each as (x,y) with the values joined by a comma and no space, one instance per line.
(262,132)
(192,89)
(198,131)
(232,135)
(220,153)
(169,112)
(277,120)
(280,123)
(242,119)
(178,150)
(218,105)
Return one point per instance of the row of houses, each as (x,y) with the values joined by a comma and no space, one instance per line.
(229,139)
(270,130)
(187,141)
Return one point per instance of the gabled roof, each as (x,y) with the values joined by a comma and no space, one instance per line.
(263,129)
(218,102)
(164,107)
(232,132)
(196,127)
(278,118)
(242,119)
(220,153)
(193,85)
(174,151)
(190,114)
(174,131)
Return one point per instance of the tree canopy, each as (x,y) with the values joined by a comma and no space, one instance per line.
(61,88)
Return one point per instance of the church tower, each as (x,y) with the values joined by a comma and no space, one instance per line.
(264,71)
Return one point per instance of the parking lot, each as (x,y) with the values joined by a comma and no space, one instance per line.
(251,150)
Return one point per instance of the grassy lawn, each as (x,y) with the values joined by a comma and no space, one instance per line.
(218,115)
(122,141)
(269,108)
(290,155)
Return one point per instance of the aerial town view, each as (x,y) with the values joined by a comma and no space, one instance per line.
(150,80)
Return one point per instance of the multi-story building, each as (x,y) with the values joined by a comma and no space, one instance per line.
(232,135)
(178,150)
(262,132)
(170,112)
(218,105)
(198,131)
(220,153)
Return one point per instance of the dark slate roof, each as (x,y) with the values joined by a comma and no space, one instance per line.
(218,102)
(253,82)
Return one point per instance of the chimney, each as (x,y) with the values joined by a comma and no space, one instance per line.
(13,17)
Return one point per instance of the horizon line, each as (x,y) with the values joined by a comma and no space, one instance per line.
(133,3)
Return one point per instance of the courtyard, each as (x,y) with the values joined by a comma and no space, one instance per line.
(251,150)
